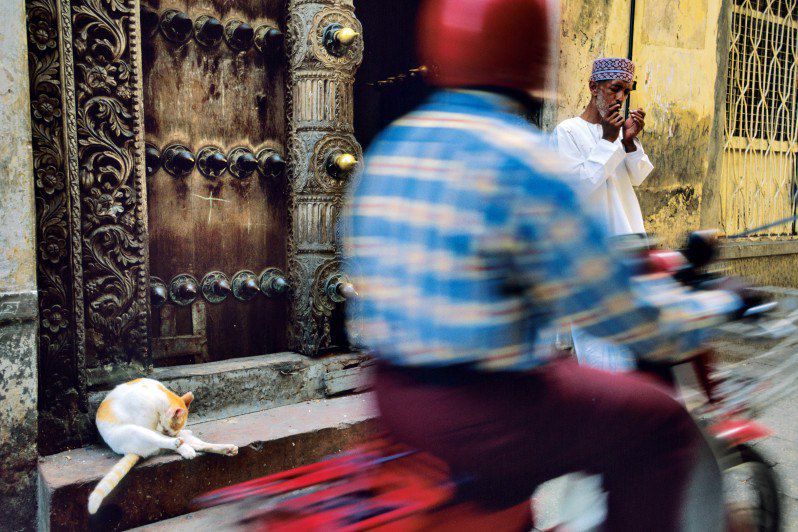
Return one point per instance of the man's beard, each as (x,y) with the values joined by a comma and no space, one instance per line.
(602,105)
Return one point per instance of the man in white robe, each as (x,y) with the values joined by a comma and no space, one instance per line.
(605,158)
(602,151)
(603,154)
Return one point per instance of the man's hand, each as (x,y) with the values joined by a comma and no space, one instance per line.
(611,124)
(632,128)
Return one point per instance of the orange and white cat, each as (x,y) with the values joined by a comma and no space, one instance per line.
(139,419)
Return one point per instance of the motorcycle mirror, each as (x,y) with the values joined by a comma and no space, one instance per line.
(701,248)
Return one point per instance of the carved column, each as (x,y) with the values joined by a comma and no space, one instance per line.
(320,122)
(110,178)
(85,69)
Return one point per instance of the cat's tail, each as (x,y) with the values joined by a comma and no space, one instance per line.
(110,480)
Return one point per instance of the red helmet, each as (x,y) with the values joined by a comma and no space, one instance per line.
(499,43)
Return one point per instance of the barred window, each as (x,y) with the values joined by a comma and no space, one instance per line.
(779,8)
(761,77)
(758,179)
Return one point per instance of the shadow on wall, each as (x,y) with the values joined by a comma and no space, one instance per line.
(389,33)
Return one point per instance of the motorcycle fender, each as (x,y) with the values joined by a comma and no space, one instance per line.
(739,431)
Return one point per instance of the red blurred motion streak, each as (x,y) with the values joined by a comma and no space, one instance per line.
(380,486)
(739,431)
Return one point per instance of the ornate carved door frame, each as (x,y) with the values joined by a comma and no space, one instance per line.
(89,165)
(91,206)
(320,123)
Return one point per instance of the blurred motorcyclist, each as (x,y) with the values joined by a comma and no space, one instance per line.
(468,249)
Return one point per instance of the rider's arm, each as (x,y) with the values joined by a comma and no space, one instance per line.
(564,257)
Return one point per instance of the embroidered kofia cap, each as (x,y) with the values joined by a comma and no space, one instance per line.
(607,68)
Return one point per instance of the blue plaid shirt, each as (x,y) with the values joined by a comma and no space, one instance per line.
(467,247)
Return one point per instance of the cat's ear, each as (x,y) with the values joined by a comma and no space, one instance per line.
(178,412)
(187,398)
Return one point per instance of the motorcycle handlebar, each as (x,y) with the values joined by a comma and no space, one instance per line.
(760,310)
(688,266)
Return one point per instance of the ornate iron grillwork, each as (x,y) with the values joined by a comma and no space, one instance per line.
(759,163)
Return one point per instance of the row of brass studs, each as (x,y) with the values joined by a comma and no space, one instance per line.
(184,289)
(177,27)
(216,287)
(178,161)
(412,74)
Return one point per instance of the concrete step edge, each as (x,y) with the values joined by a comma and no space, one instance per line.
(217,519)
(245,385)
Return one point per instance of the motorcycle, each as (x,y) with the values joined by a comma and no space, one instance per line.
(725,403)
(386,486)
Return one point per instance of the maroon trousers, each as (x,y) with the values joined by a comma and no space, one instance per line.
(512,432)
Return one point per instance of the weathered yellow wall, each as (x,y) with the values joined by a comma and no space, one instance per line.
(777,270)
(589,29)
(676,50)
(676,53)
(680,49)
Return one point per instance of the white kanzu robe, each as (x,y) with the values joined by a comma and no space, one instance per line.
(605,175)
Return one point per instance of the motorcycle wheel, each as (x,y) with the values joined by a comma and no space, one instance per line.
(752,491)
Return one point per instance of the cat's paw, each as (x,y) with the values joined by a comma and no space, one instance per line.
(229,450)
(176,443)
(187,452)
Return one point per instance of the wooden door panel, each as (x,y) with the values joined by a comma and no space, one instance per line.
(198,97)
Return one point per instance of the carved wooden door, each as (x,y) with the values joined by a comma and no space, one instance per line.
(213,101)
(220,202)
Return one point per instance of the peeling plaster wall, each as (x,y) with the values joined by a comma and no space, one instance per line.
(777,270)
(676,49)
(18,301)
(18,417)
(17,236)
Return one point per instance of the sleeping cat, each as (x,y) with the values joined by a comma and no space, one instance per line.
(140,418)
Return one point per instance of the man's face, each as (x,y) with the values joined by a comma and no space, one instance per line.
(609,92)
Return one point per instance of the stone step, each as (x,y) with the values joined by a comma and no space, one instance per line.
(218,519)
(162,487)
(245,385)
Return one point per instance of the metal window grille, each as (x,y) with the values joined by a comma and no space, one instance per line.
(758,180)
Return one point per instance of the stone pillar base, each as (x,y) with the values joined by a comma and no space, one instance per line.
(18,391)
